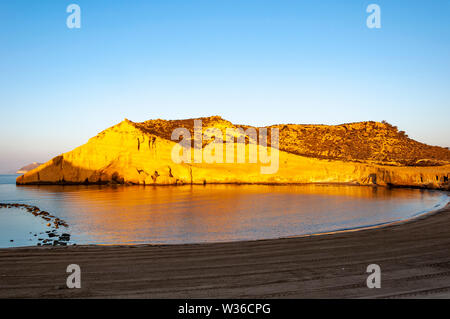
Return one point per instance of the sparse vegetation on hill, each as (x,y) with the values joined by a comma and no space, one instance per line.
(372,142)
(376,142)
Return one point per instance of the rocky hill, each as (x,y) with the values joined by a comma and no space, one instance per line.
(368,142)
(372,142)
(362,153)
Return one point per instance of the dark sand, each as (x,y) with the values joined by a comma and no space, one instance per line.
(414,259)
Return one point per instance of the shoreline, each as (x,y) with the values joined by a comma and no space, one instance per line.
(127,184)
(418,215)
(413,257)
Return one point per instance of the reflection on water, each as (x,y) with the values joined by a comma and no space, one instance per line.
(191,214)
(17,228)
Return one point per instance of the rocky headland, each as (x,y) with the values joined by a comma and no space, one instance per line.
(364,153)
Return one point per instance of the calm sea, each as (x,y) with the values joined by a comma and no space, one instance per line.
(210,213)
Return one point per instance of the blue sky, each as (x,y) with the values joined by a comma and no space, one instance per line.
(251,61)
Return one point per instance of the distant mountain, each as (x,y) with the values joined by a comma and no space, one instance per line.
(28,168)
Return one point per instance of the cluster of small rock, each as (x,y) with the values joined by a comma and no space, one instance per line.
(37,212)
(54,239)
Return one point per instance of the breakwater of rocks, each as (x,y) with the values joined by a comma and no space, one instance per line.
(53,237)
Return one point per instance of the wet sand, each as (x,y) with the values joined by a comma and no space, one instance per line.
(414,258)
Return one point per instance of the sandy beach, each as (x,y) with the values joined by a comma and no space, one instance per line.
(414,258)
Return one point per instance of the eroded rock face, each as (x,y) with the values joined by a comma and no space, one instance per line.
(141,153)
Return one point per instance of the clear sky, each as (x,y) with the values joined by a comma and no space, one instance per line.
(251,61)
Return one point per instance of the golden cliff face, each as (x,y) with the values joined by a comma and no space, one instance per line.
(360,153)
